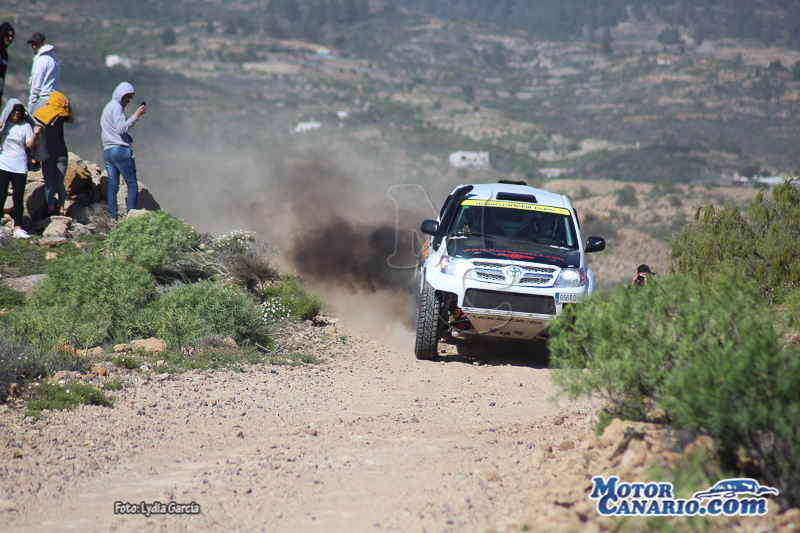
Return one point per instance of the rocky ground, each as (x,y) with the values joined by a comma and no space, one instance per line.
(368,440)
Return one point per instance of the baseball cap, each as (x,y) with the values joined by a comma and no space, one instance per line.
(645,269)
(37,38)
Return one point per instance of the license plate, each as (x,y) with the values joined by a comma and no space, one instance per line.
(566,298)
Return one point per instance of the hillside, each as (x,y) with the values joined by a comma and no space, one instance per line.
(398,91)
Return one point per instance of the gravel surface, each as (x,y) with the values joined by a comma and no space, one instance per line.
(368,440)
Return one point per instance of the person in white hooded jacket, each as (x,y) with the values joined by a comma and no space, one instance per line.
(117,151)
(16,137)
(45,72)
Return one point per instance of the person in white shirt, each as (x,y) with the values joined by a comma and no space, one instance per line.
(16,135)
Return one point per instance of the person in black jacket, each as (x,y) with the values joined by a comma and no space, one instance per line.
(643,273)
(6,38)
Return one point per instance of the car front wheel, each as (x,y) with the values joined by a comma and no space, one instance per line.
(428,323)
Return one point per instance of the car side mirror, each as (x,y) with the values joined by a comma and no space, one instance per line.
(595,244)
(429,227)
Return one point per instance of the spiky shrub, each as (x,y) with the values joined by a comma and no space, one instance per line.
(85,300)
(707,354)
(154,240)
(21,361)
(18,361)
(762,244)
(246,259)
(290,295)
(191,311)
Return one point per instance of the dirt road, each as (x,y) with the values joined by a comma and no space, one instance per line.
(369,440)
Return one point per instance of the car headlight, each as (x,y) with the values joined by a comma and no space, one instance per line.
(454,266)
(571,277)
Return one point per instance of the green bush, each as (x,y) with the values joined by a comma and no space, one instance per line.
(190,311)
(10,297)
(21,362)
(57,397)
(85,300)
(154,240)
(707,354)
(245,258)
(128,363)
(207,354)
(17,258)
(626,196)
(793,308)
(291,295)
(762,245)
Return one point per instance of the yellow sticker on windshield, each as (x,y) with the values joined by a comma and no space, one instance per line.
(526,206)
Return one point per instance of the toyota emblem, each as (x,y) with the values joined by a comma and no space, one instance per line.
(514,271)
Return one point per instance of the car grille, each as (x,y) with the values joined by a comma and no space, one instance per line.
(489,276)
(504,301)
(535,280)
(486,264)
(532,275)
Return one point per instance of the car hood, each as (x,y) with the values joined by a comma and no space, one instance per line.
(477,248)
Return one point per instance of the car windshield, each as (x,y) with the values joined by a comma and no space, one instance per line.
(514,221)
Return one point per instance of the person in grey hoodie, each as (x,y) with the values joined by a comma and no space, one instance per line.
(45,72)
(117,152)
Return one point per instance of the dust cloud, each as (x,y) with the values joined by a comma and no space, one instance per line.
(344,220)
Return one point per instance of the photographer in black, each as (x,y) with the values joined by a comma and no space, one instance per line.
(643,273)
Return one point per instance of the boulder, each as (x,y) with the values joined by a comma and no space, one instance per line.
(230,343)
(25,284)
(151,345)
(77,178)
(86,183)
(97,351)
(58,227)
(145,200)
(35,200)
(133,213)
(76,229)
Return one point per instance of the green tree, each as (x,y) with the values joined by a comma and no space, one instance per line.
(469,92)
(669,36)
(761,244)
(606,42)
(168,38)
(706,355)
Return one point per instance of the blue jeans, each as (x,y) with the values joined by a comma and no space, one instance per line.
(53,171)
(120,160)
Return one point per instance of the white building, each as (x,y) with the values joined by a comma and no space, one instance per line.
(465,159)
(113,60)
(303,127)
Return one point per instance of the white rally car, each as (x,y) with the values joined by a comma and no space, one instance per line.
(501,259)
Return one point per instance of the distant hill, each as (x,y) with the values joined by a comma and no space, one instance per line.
(648,92)
(773,22)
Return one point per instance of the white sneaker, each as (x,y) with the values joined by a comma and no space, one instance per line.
(20,233)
